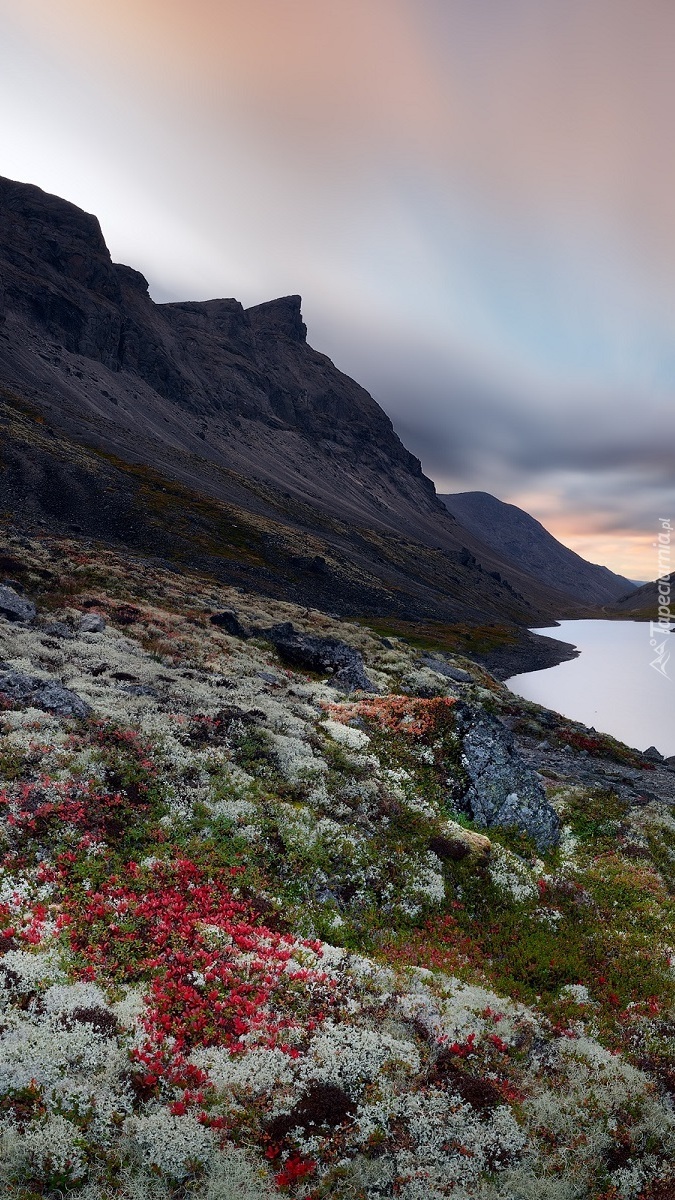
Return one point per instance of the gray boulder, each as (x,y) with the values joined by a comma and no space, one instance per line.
(92,623)
(15,607)
(47,694)
(502,790)
(319,654)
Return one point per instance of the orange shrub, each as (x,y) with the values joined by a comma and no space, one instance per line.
(399,714)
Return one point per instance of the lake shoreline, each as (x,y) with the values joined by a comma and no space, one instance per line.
(620,681)
(531,651)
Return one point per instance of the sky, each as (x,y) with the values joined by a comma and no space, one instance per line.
(475,199)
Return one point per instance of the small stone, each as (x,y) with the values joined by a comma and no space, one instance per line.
(454,849)
(14,608)
(456,843)
(92,623)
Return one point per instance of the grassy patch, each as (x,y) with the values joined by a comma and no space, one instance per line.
(438,636)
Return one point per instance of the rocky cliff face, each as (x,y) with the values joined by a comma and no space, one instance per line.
(523,541)
(217,433)
(240,376)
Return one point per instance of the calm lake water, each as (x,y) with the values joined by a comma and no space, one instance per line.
(611,684)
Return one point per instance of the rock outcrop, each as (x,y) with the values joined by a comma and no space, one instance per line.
(343,662)
(502,789)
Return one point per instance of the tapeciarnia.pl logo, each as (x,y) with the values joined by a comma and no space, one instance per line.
(659,630)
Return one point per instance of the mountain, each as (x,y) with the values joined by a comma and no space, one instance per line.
(523,541)
(644,601)
(289,906)
(215,436)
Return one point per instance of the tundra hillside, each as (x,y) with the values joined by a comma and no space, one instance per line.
(289,907)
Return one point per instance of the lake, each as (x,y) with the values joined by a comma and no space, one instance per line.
(611,684)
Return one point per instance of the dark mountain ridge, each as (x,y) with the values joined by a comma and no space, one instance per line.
(215,434)
(523,540)
(200,374)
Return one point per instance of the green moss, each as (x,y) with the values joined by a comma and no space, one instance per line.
(438,635)
(14,764)
(661,842)
(595,816)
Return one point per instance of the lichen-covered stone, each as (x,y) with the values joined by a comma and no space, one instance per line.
(502,790)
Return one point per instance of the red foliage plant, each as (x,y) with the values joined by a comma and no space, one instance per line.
(217,977)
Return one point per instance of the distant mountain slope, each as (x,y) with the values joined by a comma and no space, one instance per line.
(217,434)
(644,601)
(520,539)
